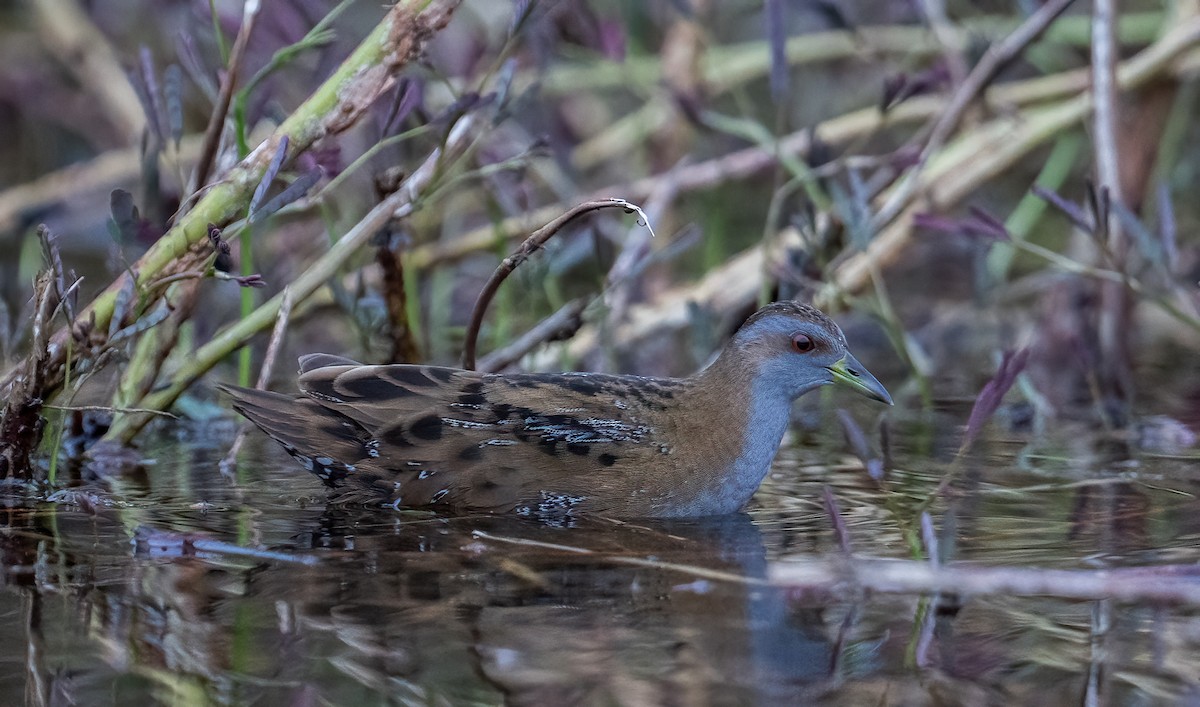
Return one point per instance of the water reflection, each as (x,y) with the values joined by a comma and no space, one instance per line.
(561,616)
(458,609)
(191,591)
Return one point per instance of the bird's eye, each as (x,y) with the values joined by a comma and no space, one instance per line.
(803,343)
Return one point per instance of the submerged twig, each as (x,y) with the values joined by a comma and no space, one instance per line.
(163,543)
(1174,584)
(693,570)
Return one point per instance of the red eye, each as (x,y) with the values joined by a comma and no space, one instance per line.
(803,343)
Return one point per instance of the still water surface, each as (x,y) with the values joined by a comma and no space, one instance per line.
(154,598)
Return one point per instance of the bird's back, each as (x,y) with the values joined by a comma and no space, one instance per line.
(536,444)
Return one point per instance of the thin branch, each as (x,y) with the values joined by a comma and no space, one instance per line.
(110,408)
(1104,87)
(399,204)
(1114,314)
(996,146)
(749,161)
(170,544)
(996,57)
(216,121)
(332,108)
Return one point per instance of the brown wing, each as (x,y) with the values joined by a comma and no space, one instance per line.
(420,435)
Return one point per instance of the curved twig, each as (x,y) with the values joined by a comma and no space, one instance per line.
(520,255)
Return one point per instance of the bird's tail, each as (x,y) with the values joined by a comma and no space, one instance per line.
(325,442)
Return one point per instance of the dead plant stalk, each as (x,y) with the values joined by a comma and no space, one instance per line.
(333,107)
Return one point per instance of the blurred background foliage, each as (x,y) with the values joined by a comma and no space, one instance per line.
(779,149)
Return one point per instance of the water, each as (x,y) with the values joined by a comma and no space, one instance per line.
(193,591)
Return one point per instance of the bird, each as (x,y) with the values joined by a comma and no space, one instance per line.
(560,445)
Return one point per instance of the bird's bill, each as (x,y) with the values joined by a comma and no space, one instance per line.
(852,374)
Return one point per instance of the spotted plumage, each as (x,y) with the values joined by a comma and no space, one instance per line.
(554,445)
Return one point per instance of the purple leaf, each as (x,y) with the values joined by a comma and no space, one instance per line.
(979,225)
(987,225)
(1098,201)
(835,519)
(294,191)
(173,93)
(1166,225)
(1073,213)
(255,280)
(905,157)
(522,9)
(777,38)
(124,214)
(612,40)
(144,322)
(885,445)
(201,75)
(326,159)
(269,175)
(854,436)
(929,538)
(894,91)
(935,222)
(988,400)
(859,446)
(409,96)
(903,86)
(122,305)
(157,114)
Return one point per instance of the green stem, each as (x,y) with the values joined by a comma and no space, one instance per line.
(1032,207)
(736,64)
(399,204)
(245,240)
(333,107)
(222,45)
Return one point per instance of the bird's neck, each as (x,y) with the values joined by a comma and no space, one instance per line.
(754,414)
